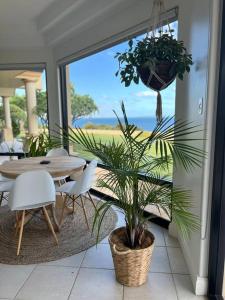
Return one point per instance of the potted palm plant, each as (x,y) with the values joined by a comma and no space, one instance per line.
(149,154)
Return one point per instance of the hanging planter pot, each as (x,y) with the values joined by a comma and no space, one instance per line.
(160,78)
(156,60)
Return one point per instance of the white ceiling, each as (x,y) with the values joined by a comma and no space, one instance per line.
(28,24)
(17,23)
(17,11)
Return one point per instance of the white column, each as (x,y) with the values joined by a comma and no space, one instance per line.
(7,131)
(8,121)
(30,87)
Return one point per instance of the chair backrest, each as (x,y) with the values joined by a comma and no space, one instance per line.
(32,189)
(85,182)
(57,152)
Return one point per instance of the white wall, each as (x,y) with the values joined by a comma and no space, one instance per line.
(41,55)
(194,28)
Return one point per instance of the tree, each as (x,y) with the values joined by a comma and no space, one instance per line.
(41,110)
(17,113)
(81,105)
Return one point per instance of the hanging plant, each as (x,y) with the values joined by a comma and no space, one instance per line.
(156,60)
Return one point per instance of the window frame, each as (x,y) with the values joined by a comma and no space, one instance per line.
(106,44)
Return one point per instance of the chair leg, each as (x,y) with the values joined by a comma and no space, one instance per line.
(74,204)
(1,198)
(21,232)
(85,215)
(92,201)
(63,209)
(50,224)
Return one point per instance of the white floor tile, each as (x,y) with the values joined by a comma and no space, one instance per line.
(96,284)
(99,257)
(105,240)
(48,282)
(12,278)
(177,262)
(160,261)
(184,288)
(170,241)
(158,287)
(158,233)
(70,261)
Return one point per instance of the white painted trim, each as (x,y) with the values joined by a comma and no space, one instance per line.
(25,66)
(200,284)
(138,29)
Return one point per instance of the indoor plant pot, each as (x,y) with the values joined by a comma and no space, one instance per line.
(125,159)
(131,265)
(163,75)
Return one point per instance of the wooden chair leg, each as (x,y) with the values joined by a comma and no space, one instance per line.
(63,209)
(21,232)
(92,201)
(50,224)
(85,215)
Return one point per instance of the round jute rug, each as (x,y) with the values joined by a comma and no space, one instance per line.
(38,244)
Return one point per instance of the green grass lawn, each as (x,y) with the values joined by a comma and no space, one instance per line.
(106,138)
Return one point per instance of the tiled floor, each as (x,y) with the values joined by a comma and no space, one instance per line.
(90,276)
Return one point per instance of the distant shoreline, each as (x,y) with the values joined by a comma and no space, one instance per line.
(108,131)
(143,123)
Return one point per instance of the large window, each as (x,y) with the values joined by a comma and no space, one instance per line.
(93,92)
(23,107)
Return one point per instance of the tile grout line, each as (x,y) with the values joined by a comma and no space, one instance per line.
(76,276)
(170,267)
(25,281)
(172,273)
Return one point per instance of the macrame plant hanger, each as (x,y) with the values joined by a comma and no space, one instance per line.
(156,29)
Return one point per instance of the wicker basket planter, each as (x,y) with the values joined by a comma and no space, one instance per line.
(131,265)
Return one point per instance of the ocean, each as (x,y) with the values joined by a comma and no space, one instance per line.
(144,123)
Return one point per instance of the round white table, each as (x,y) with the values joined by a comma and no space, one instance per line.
(57,167)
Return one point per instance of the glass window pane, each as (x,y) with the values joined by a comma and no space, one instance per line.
(94,93)
(23,107)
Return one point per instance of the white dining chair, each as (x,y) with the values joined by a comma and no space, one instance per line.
(76,189)
(32,190)
(6,186)
(55,152)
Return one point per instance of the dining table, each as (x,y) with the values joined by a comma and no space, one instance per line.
(56,166)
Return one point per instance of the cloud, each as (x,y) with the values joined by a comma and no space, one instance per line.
(145,94)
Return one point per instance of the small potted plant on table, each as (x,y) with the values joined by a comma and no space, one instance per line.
(149,154)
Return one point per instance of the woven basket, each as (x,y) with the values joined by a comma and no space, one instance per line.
(131,265)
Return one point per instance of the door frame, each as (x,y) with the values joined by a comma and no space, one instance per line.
(217,229)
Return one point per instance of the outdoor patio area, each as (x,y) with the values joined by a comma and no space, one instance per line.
(90,275)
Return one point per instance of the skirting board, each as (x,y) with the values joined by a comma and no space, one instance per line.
(200,284)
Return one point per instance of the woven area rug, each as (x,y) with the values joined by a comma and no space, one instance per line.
(38,244)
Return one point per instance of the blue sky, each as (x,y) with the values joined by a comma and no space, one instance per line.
(95,76)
